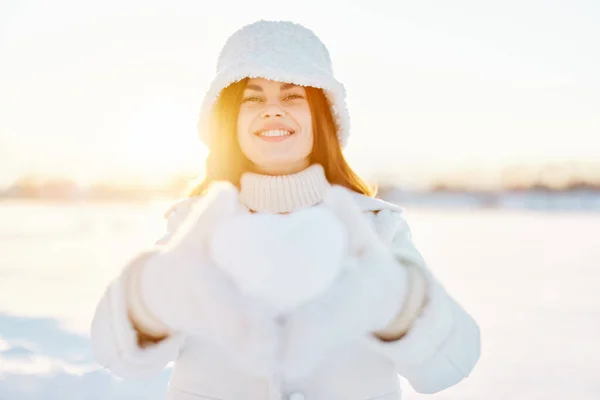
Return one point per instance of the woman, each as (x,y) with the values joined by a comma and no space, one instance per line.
(275,122)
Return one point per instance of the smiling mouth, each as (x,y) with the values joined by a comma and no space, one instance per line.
(275,133)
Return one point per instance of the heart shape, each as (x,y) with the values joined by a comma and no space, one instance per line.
(283,260)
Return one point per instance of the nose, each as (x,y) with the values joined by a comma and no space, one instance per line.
(272,111)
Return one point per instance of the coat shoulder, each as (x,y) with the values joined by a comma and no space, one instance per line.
(388,219)
(180,206)
(367,203)
(177,212)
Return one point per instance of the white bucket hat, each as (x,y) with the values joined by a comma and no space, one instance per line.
(281,51)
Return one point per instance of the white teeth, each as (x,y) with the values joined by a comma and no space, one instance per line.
(275,132)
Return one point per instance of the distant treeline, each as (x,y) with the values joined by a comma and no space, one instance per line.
(555,177)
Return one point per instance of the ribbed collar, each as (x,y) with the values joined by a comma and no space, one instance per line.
(283,193)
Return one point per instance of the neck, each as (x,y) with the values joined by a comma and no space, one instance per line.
(284,193)
(277,170)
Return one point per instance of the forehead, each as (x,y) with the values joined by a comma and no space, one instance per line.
(260,83)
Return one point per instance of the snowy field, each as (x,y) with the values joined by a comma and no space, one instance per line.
(531,280)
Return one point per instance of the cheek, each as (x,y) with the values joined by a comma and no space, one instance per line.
(307,141)
(304,119)
(243,122)
(243,129)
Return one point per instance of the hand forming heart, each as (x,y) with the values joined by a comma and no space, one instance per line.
(282,260)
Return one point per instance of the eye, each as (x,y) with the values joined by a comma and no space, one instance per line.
(293,96)
(252,99)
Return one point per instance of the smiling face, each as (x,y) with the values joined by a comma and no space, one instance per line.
(274,127)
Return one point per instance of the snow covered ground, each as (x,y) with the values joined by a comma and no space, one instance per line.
(530,278)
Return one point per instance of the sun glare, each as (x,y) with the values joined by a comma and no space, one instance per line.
(161,139)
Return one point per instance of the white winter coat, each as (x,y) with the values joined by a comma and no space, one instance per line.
(440,350)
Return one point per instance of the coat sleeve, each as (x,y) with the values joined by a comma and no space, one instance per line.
(113,338)
(443,345)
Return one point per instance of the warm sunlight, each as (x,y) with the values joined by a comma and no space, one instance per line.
(160,138)
(431,88)
(129,270)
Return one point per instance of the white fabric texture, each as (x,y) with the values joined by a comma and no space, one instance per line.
(274,194)
(281,51)
(439,351)
(282,261)
(444,343)
(181,286)
(367,296)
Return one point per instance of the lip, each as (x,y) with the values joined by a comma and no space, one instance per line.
(277,126)
(274,139)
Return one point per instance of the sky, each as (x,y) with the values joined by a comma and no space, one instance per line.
(113,89)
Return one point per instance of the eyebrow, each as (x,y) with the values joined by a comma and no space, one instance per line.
(284,86)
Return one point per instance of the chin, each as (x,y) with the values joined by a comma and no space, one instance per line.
(282,163)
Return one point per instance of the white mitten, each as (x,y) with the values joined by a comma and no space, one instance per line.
(180,287)
(365,298)
(281,260)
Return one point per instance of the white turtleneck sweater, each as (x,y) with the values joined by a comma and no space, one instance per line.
(283,193)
